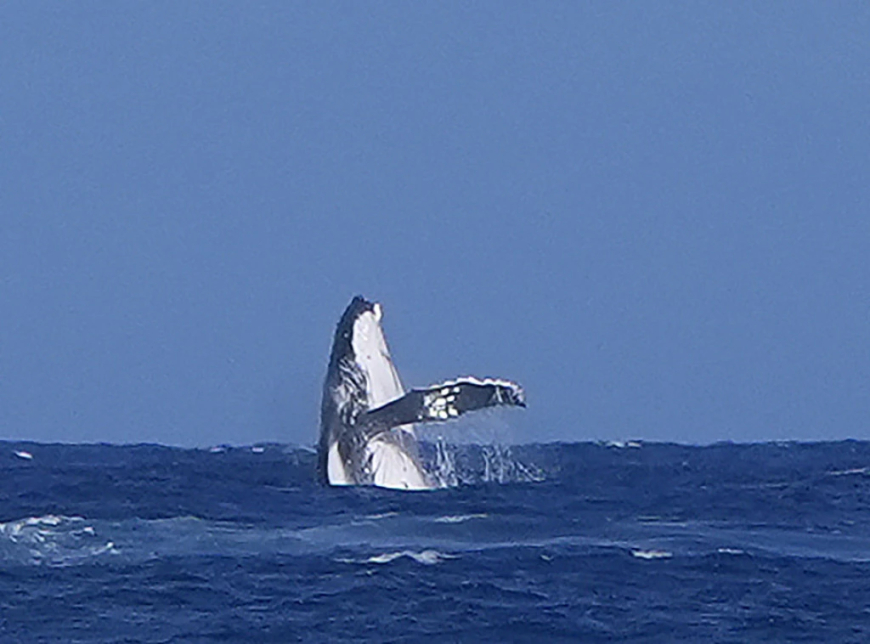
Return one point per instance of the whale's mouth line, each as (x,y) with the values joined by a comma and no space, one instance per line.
(367,418)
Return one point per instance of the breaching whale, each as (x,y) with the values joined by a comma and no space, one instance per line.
(366,417)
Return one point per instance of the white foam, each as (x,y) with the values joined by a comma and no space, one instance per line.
(382,515)
(52,540)
(425,557)
(459,518)
(730,551)
(849,472)
(652,554)
(27,456)
(624,444)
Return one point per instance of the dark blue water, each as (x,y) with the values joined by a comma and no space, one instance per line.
(576,542)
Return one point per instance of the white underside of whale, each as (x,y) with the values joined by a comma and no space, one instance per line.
(392,466)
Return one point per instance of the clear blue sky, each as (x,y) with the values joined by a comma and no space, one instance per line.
(656,216)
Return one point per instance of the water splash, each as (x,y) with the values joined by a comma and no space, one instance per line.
(500,466)
(444,472)
(451,465)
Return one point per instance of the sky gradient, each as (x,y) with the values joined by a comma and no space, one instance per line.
(656,218)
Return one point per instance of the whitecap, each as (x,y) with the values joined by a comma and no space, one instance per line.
(652,554)
(382,515)
(27,456)
(852,471)
(624,444)
(730,551)
(459,518)
(52,540)
(425,557)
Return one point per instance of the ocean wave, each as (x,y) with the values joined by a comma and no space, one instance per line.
(459,518)
(652,554)
(52,540)
(425,557)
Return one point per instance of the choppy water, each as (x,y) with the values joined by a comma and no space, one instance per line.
(568,542)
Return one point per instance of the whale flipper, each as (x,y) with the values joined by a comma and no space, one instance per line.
(366,418)
(443,401)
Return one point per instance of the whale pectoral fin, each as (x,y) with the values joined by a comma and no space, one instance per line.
(442,402)
(453,398)
(402,411)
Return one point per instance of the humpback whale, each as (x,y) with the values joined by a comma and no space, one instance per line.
(366,416)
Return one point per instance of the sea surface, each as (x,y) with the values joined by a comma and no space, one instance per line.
(620,542)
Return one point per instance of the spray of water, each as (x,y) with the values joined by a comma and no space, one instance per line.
(470,452)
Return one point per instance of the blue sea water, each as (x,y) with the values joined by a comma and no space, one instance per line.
(545,543)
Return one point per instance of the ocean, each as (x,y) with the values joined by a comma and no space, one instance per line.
(581,542)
